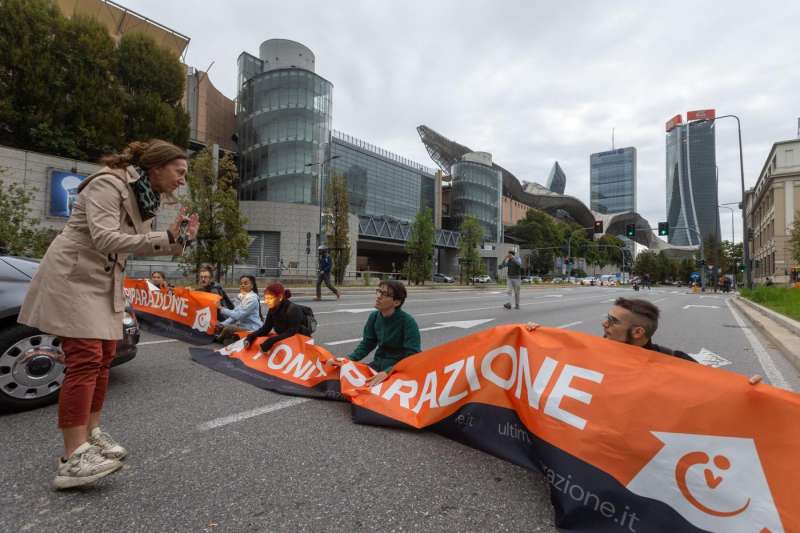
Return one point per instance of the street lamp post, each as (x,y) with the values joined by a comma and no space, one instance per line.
(745,247)
(321,195)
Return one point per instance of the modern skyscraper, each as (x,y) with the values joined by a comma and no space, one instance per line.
(692,198)
(613,181)
(557,180)
(283,123)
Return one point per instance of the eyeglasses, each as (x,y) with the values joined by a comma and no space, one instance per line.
(383,293)
(612,320)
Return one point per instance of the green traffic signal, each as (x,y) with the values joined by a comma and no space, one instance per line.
(630,230)
(663,229)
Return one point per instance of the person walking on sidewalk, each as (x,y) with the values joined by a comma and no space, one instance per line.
(324,274)
(513,264)
(77,295)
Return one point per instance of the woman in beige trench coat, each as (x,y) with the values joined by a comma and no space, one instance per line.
(76,293)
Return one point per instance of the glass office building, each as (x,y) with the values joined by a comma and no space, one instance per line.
(477,190)
(613,181)
(283,123)
(692,197)
(380,183)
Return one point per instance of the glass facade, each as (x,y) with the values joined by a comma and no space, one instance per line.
(477,191)
(692,183)
(283,124)
(613,181)
(380,183)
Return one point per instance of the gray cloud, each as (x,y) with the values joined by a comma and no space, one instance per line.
(531,82)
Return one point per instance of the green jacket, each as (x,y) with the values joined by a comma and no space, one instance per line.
(396,338)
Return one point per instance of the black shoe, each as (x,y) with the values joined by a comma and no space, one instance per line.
(507,306)
(516,307)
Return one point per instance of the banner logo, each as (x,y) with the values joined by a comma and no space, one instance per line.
(202,319)
(716,483)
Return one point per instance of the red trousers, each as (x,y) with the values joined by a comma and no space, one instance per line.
(85,379)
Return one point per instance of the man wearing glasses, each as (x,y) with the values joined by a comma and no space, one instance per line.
(391,330)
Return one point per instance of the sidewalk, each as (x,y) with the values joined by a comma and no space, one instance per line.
(783,331)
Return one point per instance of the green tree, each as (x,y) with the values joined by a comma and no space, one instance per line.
(153,80)
(544,236)
(338,229)
(419,246)
(221,238)
(20,233)
(468,254)
(647,264)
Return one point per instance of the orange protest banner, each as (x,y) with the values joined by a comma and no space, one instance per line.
(628,439)
(196,311)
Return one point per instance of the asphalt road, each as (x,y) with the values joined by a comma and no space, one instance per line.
(210,453)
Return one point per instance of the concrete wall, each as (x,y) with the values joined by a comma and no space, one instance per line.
(293,221)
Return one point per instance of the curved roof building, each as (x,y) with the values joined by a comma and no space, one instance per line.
(445,153)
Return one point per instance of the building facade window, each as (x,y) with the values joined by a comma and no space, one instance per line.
(477,191)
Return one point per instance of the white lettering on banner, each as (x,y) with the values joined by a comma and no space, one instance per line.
(534,388)
(404,395)
(519,371)
(300,365)
(562,389)
(271,361)
(165,301)
(488,371)
(349,372)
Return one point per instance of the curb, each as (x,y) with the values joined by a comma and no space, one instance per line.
(781,331)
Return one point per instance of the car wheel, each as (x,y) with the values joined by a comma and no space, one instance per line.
(31,368)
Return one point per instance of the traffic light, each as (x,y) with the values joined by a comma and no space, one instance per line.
(741,267)
(663,229)
(630,230)
(598,226)
(702,262)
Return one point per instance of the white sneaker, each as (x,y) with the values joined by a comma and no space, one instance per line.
(108,446)
(85,466)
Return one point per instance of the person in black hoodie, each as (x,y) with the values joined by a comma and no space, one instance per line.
(285,317)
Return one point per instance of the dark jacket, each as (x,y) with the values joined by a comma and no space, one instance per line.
(325,264)
(668,351)
(287,320)
(395,338)
(514,266)
(216,288)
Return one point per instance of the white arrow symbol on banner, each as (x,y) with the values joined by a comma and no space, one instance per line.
(463,324)
(701,306)
(708,358)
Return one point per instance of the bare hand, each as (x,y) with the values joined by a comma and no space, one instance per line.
(532,326)
(333,363)
(192,224)
(755,379)
(377,379)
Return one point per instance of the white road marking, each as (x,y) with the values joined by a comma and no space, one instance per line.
(772,372)
(346,341)
(359,310)
(659,300)
(562,326)
(715,297)
(708,358)
(463,324)
(156,342)
(238,417)
(701,306)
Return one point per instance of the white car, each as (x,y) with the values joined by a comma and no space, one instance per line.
(589,280)
(483,278)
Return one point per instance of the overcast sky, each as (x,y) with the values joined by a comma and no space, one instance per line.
(530,82)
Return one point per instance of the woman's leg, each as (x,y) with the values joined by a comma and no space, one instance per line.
(83,359)
(109,351)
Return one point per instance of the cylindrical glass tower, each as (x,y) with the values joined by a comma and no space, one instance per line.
(283,123)
(477,191)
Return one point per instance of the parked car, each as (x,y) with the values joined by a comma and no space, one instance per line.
(483,278)
(441,278)
(589,280)
(557,280)
(31,362)
(531,279)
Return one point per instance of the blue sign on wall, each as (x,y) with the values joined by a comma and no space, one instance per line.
(63,192)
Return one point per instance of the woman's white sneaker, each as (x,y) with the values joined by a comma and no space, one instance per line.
(108,446)
(85,466)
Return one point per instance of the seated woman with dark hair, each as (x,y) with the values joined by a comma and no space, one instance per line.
(246,314)
(285,317)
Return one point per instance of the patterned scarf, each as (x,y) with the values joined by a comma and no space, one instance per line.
(147,199)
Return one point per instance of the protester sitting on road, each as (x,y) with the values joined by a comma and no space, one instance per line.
(393,331)
(285,317)
(246,314)
(159,279)
(207,284)
(514,266)
(634,322)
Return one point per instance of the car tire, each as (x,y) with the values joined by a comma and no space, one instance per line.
(35,382)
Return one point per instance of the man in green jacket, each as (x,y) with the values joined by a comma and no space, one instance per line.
(393,331)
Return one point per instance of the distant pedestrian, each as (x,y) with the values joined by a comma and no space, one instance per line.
(77,295)
(514,272)
(324,273)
